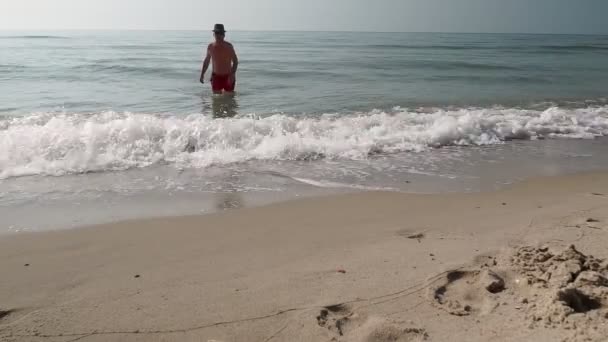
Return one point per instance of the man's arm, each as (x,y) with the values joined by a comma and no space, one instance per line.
(235,61)
(206,64)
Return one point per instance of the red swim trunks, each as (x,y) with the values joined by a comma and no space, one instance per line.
(222,82)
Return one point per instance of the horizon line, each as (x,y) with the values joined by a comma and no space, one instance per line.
(290,30)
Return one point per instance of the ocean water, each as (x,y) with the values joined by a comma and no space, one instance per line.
(102,125)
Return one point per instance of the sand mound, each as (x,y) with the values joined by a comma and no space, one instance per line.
(348,325)
(564,290)
(378,330)
(568,290)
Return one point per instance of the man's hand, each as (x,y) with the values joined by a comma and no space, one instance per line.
(202,79)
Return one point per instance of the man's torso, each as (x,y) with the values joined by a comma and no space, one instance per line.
(221,56)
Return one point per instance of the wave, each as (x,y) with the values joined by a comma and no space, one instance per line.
(51,144)
(574,47)
(431,47)
(455,47)
(328,184)
(448,65)
(435,65)
(106,68)
(491,79)
(139,47)
(33,37)
(12,67)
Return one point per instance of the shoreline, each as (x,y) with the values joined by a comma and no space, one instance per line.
(292,271)
(109,197)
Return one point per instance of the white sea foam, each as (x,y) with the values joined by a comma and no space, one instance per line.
(54,144)
(328,184)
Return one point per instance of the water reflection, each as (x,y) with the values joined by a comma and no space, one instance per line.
(229,200)
(230,197)
(224,106)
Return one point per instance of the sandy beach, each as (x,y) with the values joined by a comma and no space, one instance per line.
(370,266)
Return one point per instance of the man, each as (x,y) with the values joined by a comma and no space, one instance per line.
(225,63)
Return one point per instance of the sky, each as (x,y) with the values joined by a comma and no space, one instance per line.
(522,16)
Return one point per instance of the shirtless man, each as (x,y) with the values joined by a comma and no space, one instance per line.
(225,63)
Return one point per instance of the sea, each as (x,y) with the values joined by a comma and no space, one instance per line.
(99,126)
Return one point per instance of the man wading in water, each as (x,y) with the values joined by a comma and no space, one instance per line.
(225,63)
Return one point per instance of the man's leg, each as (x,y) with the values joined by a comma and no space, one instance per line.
(230,86)
(216,84)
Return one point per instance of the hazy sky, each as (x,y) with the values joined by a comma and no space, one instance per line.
(539,16)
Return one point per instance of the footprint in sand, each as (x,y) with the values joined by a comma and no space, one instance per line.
(335,318)
(5,313)
(351,326)
(463,293)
